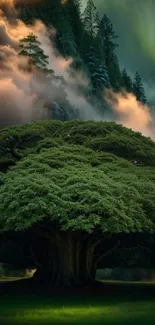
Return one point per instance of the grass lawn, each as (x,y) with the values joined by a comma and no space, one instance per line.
(115,303)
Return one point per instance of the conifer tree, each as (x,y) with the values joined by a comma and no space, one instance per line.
(74,14)
(91,19)
(30,47)
(138,88)
(27,12)
(107,38)
(65,37)
(127,81)
(90,42)
(58,104)
(53,13)
(93,56)
(97,70)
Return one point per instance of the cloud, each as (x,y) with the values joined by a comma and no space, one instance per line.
(18,101)
(130,112)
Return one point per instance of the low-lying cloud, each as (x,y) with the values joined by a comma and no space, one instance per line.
(130,112)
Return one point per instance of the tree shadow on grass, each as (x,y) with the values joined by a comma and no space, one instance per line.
(22,302)
(104,289)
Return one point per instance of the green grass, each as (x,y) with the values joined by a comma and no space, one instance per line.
(116,303)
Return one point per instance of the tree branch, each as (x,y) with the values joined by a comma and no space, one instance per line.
(96,239)
(99,258)
(5,149)
(49,229)
(12,151)
(41,233)
(15,153)
(138,247)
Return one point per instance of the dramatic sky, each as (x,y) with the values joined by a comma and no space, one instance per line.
(134,22)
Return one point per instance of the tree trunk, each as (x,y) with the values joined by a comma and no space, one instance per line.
(69,264)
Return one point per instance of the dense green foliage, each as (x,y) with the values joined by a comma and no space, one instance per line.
(64,186)
(76,180)
(90,179)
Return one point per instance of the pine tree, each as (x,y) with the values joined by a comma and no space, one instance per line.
(91,19)
(65,37)
(30,47)
(93,56)
(78,4)
(138,88)
(56,101)
(108,37)
(97,71)
(127,81)
(114,74)
(74,13)
(26,12)
(43,10)
(53,13)
(108,45)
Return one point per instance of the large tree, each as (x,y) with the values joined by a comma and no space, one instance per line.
(71,189)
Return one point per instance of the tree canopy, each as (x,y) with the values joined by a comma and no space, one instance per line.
(75,182)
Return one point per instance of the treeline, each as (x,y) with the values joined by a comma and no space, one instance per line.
(89,40)
(126,274)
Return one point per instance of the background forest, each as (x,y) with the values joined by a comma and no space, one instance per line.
(92,44)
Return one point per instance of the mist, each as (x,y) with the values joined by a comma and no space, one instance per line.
(130,112)
(26,96)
